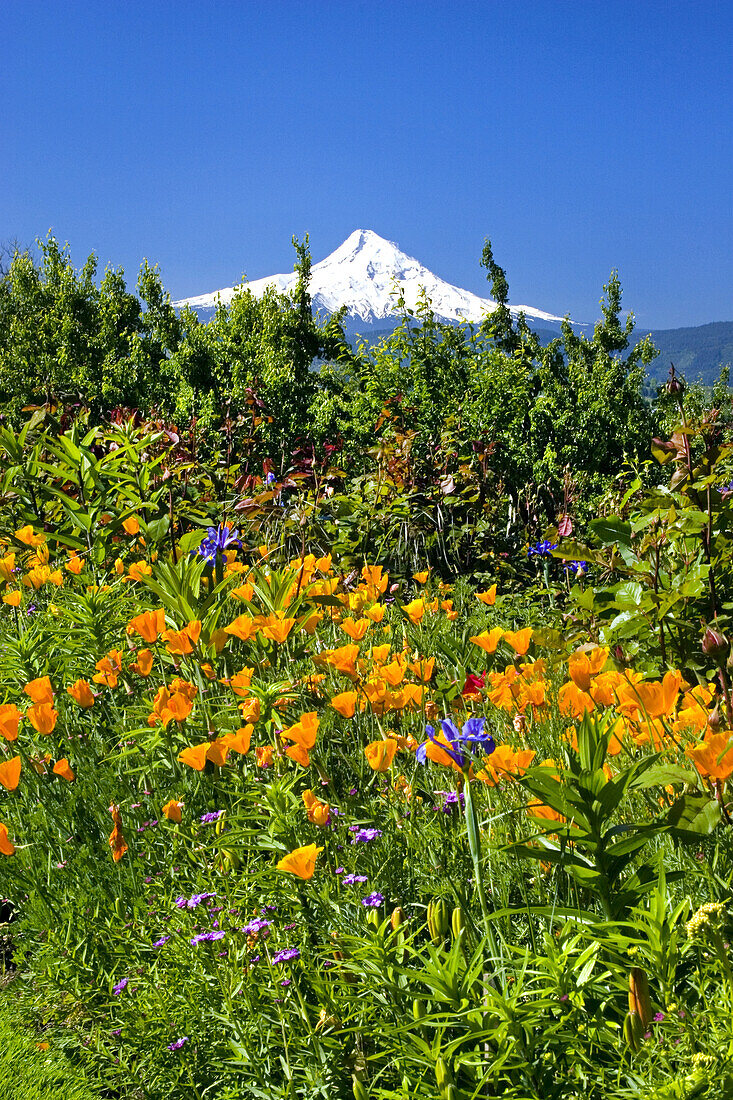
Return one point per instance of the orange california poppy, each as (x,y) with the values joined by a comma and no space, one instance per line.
(143,666)
(10,773)
(421,577)
(179,707)
(299,754)
(505,763)
(138,570)
(244,593)
(304,731)
(172,810)
(42,717)
(81,692)
(6,845)
(241,740)
(131,525)
(63,768)
(380,653)
(355,628)
(10,716)
(195,756)
(218,751)
(243,627)
(39,690)
(108,669)
(488,597)
(117,842)
(519,640)
(380,754)
(574,702)
(12,599)
(277,629)
(488,640)
(182,642)
(183,687)
(7,565)
(240,684)
(251,710)
(75,564)
(264,755)
(714,757)
(376,613)
(535,808)
(582,667)
(394,672)
(301,861)
(148,624)
(27,536)
(318,812)
(423,668)
(345,703)
(659,698)
(414,611)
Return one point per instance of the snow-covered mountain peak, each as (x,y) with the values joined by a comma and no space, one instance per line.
(364,274)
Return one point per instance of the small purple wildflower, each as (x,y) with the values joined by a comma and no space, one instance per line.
(202,936)
(122,984)
(178,1043)
(365,835)
(196,899)
(658,1017)
(213,816)
(373,900)
(286,955)
(257,926)
(350,880)
(161,941)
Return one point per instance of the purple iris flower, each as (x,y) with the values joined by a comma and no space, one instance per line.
(471,735)
(218,540)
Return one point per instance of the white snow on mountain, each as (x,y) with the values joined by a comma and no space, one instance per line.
(364,274)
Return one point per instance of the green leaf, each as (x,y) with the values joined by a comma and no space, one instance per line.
(610,530)
(693,815)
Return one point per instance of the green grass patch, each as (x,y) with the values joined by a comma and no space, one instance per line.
(28,1072)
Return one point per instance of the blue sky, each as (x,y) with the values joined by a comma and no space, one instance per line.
(579,136)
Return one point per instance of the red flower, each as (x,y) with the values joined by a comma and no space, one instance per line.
(473,684)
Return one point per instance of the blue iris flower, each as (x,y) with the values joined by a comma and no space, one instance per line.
(218,540)
(542,549)
(472,735)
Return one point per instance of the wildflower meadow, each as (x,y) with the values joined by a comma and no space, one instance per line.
(381,773)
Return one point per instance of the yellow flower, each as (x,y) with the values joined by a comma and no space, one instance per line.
(519,640)
(414,610)
(488,597)
(10,773)
(63,768)
(301,861)
(172,810)
(6,846)
(380,754)
(488,640)
(345,703)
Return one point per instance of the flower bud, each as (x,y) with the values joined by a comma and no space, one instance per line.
(714,643)
(397,918)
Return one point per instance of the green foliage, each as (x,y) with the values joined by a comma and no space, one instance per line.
(27,1070)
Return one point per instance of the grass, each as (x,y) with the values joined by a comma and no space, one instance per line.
(28,1072)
